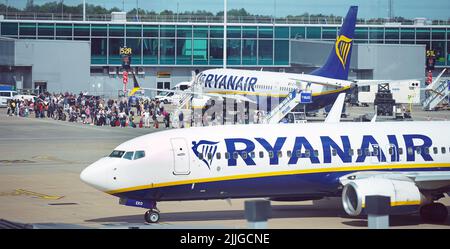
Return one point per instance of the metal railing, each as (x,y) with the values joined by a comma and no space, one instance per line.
(205,19)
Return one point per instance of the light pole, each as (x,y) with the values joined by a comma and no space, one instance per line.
(177,10)
(84,10)
(137,10)
(225,34)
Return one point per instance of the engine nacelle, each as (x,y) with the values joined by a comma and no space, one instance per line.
(405,196)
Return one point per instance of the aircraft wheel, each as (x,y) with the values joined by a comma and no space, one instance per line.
(434,212)
(151,216)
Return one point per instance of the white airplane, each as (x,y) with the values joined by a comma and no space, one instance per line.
(284,162)
(324,83)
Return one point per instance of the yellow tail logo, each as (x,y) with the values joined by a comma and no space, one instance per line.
(342,46)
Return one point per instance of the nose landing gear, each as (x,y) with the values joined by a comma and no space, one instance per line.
(152,216)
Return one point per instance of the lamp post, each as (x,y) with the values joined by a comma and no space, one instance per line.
(225,34)
(84,10)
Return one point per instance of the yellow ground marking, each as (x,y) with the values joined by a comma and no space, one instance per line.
(39,195)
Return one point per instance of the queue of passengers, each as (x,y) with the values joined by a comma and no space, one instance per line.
(92,110)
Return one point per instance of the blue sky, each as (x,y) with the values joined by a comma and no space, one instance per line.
(432,9)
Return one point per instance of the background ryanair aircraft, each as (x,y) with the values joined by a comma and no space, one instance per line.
(284,162)
(324,83)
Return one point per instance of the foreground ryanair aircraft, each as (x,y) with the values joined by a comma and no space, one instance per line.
(325,83)
(409,162)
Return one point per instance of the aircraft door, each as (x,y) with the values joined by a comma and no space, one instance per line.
(180,156)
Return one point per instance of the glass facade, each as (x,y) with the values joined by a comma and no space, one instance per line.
(202,44)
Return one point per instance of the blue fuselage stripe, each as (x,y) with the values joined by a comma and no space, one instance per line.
(312,184)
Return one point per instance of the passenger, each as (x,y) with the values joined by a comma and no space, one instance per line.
(181,119)
(155,121)
(147,118)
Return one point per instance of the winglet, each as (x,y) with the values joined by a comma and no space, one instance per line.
(334,116)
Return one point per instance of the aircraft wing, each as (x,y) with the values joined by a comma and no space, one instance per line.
(217,95)
(376,82)
(319,83)
(424,180)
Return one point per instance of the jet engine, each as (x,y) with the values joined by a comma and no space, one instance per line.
(404,194)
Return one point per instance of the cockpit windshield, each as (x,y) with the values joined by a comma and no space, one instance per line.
(130,155)
(117,153)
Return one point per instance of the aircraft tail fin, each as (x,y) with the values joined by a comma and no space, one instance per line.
(136,86)
(338,62)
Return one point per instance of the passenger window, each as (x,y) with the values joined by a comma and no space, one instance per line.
(359,152)
(334,152)
(244,155)
(227,155)
(443,150)
(316,153)
(418,150)
(280,154)
(261,154)
(235,155)
(271,154)
(218,155)
(426,150)
(410,151)
(252,154)
(375,152)
(367,152)
(351,152)
(209,156)
(391,150)
(400,151)
(307,154)
(289,153)
(299,153)
(139,154)
(129,155)
(200,156)
(435,150)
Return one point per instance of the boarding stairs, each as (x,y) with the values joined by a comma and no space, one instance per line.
(437,94)
(286,106)
(182,104)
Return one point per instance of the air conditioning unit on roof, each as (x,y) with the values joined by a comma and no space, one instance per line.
(118,16)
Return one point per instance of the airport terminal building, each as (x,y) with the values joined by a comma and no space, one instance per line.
(165,51)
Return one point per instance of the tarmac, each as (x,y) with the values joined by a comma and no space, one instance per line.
(41,160)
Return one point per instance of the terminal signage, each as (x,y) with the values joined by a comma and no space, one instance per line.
(305,97)
(125,77)
(125,51)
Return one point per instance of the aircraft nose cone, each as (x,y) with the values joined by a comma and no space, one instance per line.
(94,175)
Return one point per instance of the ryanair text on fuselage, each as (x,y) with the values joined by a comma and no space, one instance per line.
(413,142)
(228,82)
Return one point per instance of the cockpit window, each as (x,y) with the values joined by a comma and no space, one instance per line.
(117,153)
(139,154)
(129,155)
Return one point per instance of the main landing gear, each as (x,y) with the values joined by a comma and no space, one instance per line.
(152,216)
(434,212)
